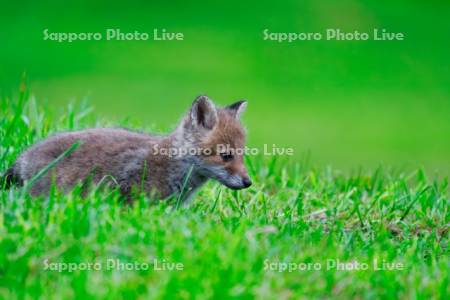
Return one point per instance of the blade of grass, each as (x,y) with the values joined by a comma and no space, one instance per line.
(219,196)
(182,192)
(414,201)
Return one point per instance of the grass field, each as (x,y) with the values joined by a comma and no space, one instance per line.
(228,243)
(368,121)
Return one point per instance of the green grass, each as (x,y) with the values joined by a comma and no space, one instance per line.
(293,213)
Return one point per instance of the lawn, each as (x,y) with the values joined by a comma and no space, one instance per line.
(361,210)
(298,232)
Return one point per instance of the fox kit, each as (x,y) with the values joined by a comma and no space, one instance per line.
(203,146)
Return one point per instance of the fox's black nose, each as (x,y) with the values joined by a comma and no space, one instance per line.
(246,182)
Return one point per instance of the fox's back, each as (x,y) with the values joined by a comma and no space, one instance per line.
(102,151)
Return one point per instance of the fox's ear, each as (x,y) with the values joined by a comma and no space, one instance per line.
(237,108)
(203,112)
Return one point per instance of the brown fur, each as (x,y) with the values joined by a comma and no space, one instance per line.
(227,132)
(128,159)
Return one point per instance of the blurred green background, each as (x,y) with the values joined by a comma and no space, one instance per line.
(346,103)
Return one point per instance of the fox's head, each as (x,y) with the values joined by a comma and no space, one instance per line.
(219,134)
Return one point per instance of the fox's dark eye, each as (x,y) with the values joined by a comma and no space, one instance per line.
(226,156)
